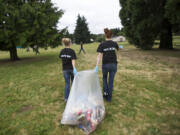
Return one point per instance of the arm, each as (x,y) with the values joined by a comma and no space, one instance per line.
(74,59)
(74,68)
(73,63)
(100,51)
(117,47)
(98,58)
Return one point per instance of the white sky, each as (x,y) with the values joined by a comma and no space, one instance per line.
(98,13)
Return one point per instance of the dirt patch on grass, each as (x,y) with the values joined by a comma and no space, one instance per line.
(153,56)
(25,108)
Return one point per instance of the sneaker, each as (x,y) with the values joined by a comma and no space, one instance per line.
(105,95)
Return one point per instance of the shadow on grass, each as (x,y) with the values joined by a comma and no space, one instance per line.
(30,60)
(166,50)
(154,56)
(170,53)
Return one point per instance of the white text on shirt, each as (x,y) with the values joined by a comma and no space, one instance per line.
(109,49)
(65,56)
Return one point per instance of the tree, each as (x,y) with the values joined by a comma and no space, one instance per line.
(144,20)
(27,23)
(173,14)
(93,37)
(100,38)
(67,34)
(81,33)
(115,31)
(121,32)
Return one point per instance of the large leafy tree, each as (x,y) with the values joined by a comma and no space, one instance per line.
(173,14)
(27,23)
(144,20)
(81,33)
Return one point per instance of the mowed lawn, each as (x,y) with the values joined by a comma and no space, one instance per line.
(146,96)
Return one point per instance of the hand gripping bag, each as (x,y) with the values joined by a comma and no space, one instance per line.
(85,105)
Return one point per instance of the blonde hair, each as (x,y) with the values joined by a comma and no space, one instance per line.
(66,41)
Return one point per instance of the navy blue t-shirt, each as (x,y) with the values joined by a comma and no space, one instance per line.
(108,49)
(67,55)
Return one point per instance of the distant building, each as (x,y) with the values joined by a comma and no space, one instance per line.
(92,40)
(119,39)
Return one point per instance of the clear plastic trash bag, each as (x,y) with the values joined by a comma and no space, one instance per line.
(85,105)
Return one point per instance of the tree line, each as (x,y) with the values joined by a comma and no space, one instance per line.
(28,23)
(82,33)
(144,21)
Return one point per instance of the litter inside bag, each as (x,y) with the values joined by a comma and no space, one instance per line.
(85,105)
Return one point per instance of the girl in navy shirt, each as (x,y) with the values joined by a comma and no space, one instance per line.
(68,57)
(107,50)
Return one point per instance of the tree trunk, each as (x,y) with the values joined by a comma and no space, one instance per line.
(166,35)
(13,53)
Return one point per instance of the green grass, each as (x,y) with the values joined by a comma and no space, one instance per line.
(176,42)
(146,97)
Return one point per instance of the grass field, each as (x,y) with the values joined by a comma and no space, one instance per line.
(146,98)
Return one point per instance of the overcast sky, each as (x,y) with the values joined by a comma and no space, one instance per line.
(99,14)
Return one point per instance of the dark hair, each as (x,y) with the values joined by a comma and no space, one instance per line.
(108,33)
